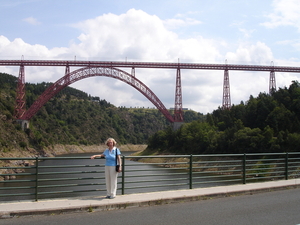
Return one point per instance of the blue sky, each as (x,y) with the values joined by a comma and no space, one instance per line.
(196,31)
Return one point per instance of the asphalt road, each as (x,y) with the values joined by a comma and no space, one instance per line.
(277,207)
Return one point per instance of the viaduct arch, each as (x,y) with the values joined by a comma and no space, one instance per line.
(86,72)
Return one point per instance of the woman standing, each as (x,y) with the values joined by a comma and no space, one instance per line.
(111,174)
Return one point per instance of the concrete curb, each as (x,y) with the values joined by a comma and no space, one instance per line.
(60,206)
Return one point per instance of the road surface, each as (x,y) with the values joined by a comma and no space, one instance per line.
(269,208)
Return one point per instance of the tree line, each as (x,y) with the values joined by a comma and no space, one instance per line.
(75,117)
(267,123)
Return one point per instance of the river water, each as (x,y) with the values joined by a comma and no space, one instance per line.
(139,178)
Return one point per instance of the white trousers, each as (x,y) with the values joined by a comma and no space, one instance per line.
(111,179)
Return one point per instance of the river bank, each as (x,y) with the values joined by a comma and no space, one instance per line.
(52,151)
(56,150)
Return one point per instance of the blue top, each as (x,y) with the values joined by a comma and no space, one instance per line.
(110,156)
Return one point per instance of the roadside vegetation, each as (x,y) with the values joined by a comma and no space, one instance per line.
(74,117)
(267,123)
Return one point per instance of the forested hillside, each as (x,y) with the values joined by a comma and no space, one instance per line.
(267,123)
(74,117)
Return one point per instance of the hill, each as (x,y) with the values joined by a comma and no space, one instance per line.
(267,123)
(75,118)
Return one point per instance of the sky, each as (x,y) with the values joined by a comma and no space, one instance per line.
(251,32)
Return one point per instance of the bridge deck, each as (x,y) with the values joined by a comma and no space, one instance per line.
(157,65)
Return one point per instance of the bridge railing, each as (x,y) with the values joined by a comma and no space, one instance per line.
(44,178)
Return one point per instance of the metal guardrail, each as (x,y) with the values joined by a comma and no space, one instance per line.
(40,177)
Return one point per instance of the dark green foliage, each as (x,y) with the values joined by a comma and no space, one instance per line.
(74,117)
(268,123)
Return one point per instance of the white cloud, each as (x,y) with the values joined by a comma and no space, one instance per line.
(138,36)
(258,54)
(286,13)
(17,48)
(177,23)
(181,20)
(247,33)
(135,35)
(295,43)
(32,21)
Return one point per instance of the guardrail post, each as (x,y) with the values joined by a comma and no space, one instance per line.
(244,168)
(36,178)
(287,166)
(123,175)
(191,172)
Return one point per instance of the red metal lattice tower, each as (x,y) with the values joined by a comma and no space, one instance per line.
(129,79)
(226,104)
(86,72)
(272,83)
(178,113)
(20,100)
(67,71)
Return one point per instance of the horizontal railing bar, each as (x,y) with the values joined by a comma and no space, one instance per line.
(17,181)
(69,185)
(263,167)
(159,169)
(293,160)
(17,194)
(155,164)
(8,188)
(151,186)
(18,174)
(192,169)
(201,168)
(214,163)
(229,161)
(159,156)
(264,154)
(64,158)
(154,175)
(263,178)
(295,169)
(219,155)
(68,192)
(217,176)
(159,165)
(209,167)
(69,179)
(215,181)
(151,181)
(265,160)
(262,173)
(17,158)
(296,166)
(18,167)
(70,166)
(226,171)
(258,169)
(70,172)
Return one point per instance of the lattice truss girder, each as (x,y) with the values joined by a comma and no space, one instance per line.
(178,113)
(272,82)
(226,91)
(91,72)
(20,99)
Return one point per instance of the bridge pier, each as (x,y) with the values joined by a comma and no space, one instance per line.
(226,104)
(177,125)
(24,124)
